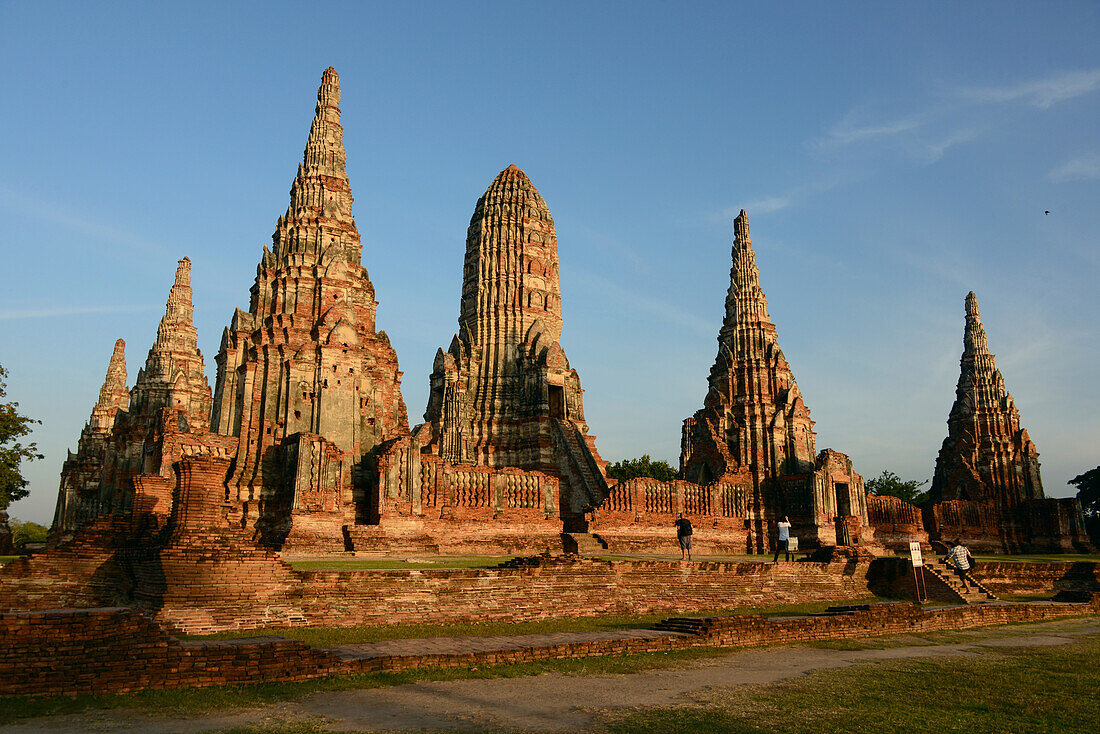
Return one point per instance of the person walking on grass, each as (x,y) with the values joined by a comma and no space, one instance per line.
(784,543)
(960,558)
(683,534)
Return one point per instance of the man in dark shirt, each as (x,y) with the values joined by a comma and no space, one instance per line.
(683,534)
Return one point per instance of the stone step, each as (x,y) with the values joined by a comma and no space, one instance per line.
(583,543)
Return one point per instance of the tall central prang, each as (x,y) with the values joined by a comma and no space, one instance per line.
(503,394)
(304,379)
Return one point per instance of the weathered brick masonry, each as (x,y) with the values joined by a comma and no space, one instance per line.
(567,588)
(1038,578)
(118,650)
(115,650)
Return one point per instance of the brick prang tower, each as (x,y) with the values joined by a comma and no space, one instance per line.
(174,375)
(753,417)
(503,394)
(987,455)
(79,496)
(304,379)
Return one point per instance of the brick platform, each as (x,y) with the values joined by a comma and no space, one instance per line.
(115,650)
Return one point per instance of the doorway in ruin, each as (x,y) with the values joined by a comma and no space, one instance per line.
(557,402)
(843,500)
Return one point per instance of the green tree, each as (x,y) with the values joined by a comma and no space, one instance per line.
(13,427)
(27,532)
(1088,492)
(889,484)
(643,467)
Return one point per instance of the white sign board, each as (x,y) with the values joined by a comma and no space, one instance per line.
(914,553)
(792,544)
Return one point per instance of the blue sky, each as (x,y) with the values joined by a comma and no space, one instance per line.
(891,157)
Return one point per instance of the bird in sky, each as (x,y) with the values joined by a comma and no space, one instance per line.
(1046,211)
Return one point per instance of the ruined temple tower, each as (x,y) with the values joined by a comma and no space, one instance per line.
(78,496)
(753,417)
(987,455)
(304,379)
(503,394)
(174,375)
(754,429)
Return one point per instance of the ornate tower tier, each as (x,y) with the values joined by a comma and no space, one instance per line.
(987,455)
(304,379)
(753,416)
(504,394)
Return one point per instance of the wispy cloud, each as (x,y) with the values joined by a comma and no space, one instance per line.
(770,204)
(937,148)
(61,216)
(659,309)
(47,312)
(764,206)
(613,245)
(1041,93)
(1083,168)
(848,131)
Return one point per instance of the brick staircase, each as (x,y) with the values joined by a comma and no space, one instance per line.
(583,544)
(580,462)
(939,572)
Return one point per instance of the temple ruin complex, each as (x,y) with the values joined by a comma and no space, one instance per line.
(304,445)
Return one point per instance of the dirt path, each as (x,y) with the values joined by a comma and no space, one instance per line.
(550,702)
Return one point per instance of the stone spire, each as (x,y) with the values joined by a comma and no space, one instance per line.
(174,375)
(746,306)
(114,393)
(318,222)
(753,416)
(305,358)
(504,394)
(987,454)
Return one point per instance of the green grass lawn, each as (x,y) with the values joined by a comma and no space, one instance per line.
(1044,558)
(1019,690)
(386,564)
(332,636)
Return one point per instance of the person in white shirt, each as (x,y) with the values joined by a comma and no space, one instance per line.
(783,546)
(960,558)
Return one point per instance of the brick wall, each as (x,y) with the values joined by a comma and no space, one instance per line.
(896,522)
(567,588)
(638,516)
(118,650)
(1008,577)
